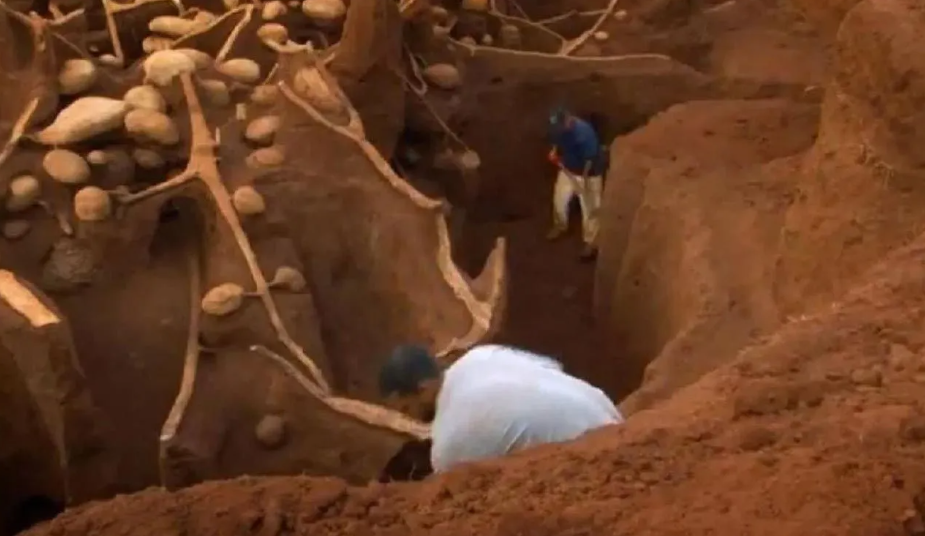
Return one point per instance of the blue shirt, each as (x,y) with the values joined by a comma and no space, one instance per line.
(578,145)
(496,400)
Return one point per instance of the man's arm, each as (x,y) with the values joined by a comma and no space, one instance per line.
(587,168)
(472,430)
(590,147)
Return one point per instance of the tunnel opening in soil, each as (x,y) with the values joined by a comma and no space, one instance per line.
(32,511)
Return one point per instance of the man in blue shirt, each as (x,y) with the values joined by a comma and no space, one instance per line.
(492,401)
(581,160)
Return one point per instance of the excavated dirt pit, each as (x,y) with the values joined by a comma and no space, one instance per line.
(217,308)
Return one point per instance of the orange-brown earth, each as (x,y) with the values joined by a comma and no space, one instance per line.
(757,305)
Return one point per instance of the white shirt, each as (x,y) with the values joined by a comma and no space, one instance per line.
(496,400)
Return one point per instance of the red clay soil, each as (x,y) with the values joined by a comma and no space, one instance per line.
(136,389)
(817,431)
(689,244)
(549,300)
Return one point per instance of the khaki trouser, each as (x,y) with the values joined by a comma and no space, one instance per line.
(589,197)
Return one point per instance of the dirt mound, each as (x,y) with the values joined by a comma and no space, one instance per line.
(861,195)
(678,215)
(802,434)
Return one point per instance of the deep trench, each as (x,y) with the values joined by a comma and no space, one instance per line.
(31,511)
(551,292)
(550,297)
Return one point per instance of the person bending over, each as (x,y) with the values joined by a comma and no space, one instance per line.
(492,401)
(581,160)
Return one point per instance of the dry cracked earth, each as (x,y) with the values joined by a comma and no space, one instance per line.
(218,216)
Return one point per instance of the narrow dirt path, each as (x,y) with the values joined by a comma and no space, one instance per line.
(550,292)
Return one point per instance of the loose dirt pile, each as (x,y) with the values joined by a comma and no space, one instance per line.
(759,289)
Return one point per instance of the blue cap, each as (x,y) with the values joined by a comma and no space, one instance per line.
(406,368)
(557,115)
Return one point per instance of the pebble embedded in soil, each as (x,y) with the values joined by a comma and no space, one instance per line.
(16,229)
(289,278)
(77,76)
(97,158)
(271,431)
(109,60)
(324,10)
(70,265)
(469,161)
(621,15)
(23,192)
(273,10)
(215,92)
(443,76)
(173,26)
(92,204)
(155,43)
(439,14)
(152,126)
(148,159)
(82,119)
(66,167)
(264,95)
(262,130)
(163,66)
(266,157)
(146,98)
(243,70)
(205,17)
(248,201)
(223,299)
(274,32)
(200,59)
(601,35)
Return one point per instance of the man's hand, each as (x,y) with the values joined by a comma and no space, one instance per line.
(553,156)
(586,169)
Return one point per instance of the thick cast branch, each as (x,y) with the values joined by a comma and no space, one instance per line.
(172,183)
(203,162)
(573,45)
(190,356)
(368,413)
(481,311)
(18,130)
